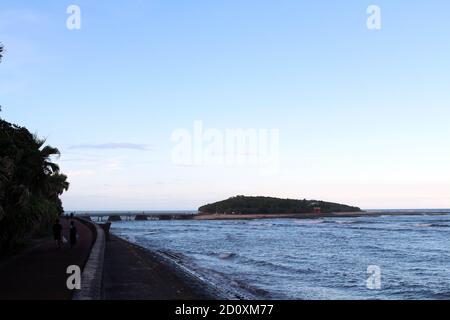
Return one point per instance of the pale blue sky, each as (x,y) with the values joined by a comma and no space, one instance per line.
(363,115)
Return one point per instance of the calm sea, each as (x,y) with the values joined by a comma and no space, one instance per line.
(408,257)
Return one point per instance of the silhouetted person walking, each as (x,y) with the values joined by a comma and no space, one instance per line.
(57,233)
(73,234)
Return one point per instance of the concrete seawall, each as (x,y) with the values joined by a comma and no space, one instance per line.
(92,275)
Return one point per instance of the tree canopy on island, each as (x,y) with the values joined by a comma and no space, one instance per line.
(30,185)
(268,205)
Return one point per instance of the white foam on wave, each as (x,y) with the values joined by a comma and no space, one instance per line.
(346,221)
(423,225)
(226,255)
(302,221)
(260,224)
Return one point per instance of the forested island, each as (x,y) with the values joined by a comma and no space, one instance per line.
(269,205)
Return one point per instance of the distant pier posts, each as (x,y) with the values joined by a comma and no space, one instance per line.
(114,218)
(141,217)
(183,217)
(138,217)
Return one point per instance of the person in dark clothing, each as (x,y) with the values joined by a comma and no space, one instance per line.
(73,234)
(57,233)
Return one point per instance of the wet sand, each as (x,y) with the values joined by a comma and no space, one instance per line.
(134,273)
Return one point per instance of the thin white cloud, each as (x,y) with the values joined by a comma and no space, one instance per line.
(112,146)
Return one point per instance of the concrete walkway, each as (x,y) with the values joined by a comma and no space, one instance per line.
(40,272)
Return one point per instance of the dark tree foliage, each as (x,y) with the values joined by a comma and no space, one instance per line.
(1,56)
(267,205)
(30,184)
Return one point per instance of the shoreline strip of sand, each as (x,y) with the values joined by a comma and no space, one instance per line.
(132,272)
(309,215)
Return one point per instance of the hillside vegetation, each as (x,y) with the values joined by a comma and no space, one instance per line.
(268,205)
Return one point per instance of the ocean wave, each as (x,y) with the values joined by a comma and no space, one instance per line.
(439,225)
(275,266)
(417,292)
(304,221)
(346,221)
(422,225)
(431,225)
(251,288)
(260,224)
(308,258)
(226,255)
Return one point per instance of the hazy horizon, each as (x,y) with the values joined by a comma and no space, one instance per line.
(352,115)
(67,210)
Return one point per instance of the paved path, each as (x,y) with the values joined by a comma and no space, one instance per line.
(40,272)
(133,273)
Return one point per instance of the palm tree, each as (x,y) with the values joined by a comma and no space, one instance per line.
(30,184)
(55,185)
(48,166)
(1,56)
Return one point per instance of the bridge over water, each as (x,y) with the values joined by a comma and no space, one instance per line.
(131,216)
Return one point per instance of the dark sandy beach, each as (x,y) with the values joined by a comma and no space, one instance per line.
(134,273)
